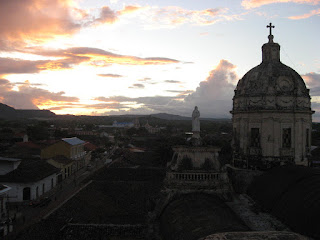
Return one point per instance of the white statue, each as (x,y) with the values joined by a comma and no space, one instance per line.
(195,120)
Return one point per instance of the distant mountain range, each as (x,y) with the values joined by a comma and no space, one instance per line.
(167,116)
(10,113)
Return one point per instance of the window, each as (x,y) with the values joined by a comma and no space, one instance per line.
(26,193)
(255,137)
(307,138)
(1,204)
(51,182)
(37,192)
(286,137)
(43,188)
(235,136)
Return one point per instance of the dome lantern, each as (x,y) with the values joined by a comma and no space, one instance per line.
(270,50)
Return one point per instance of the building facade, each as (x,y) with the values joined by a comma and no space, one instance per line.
(271,114)
(71,148)
(30,180)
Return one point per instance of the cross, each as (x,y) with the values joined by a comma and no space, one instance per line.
(270,26)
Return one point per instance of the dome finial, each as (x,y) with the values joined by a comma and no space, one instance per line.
(270,32)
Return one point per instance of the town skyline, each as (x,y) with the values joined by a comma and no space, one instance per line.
(145,57)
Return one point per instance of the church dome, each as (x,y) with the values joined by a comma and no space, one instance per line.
(271,85)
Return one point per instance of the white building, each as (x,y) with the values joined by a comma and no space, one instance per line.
(5,227)
(271,114)
(30,180)
(3,201)
(8,164)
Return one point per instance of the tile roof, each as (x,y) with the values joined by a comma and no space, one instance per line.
(73,141)
(30,170)
(62,159)
(90,146)
(28,145)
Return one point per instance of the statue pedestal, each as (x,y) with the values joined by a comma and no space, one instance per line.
(196,134)
(196,140)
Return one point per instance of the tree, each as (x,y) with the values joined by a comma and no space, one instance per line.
(38,132)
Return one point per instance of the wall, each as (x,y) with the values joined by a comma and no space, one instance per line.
(59,148)
(271,125)
(16,192)
(197,155)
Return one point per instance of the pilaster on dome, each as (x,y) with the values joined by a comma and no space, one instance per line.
(270,50)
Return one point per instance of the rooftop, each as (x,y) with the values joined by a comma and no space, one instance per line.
(9,159)
(62,159)
(73,141)
(4,188)
(30,170)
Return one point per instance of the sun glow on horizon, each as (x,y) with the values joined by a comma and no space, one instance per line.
(144,57)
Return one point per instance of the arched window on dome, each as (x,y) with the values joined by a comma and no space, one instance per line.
(307,140)
(286,137)
(255,138)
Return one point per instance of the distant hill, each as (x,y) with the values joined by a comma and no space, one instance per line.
(10,113)
(7,112)
(167,116)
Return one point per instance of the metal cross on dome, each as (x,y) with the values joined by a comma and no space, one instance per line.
(270,26)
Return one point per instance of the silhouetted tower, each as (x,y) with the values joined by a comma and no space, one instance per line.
(271,114)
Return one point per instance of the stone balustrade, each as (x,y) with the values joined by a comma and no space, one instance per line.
(192,176)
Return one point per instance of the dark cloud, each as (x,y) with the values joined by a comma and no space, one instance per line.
(28,83)
(81,54)
(109,75)
(17,66)
(312,80)
(181,92)
(107,15)
(137,85)
(214,96)
(74,56)
(106,106)
(172,81)
(114,99)
(144,79)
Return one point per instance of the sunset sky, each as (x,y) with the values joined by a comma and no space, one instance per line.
(104,57)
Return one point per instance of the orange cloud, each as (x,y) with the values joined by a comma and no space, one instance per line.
(17,66)
(98,57)
(258,3)
(306,15)
(130,9)
(109,75)
(29,97)
(34,21)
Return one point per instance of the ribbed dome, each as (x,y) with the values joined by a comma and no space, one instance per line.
(271,85)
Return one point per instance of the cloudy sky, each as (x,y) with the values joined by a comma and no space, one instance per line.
(102,57)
